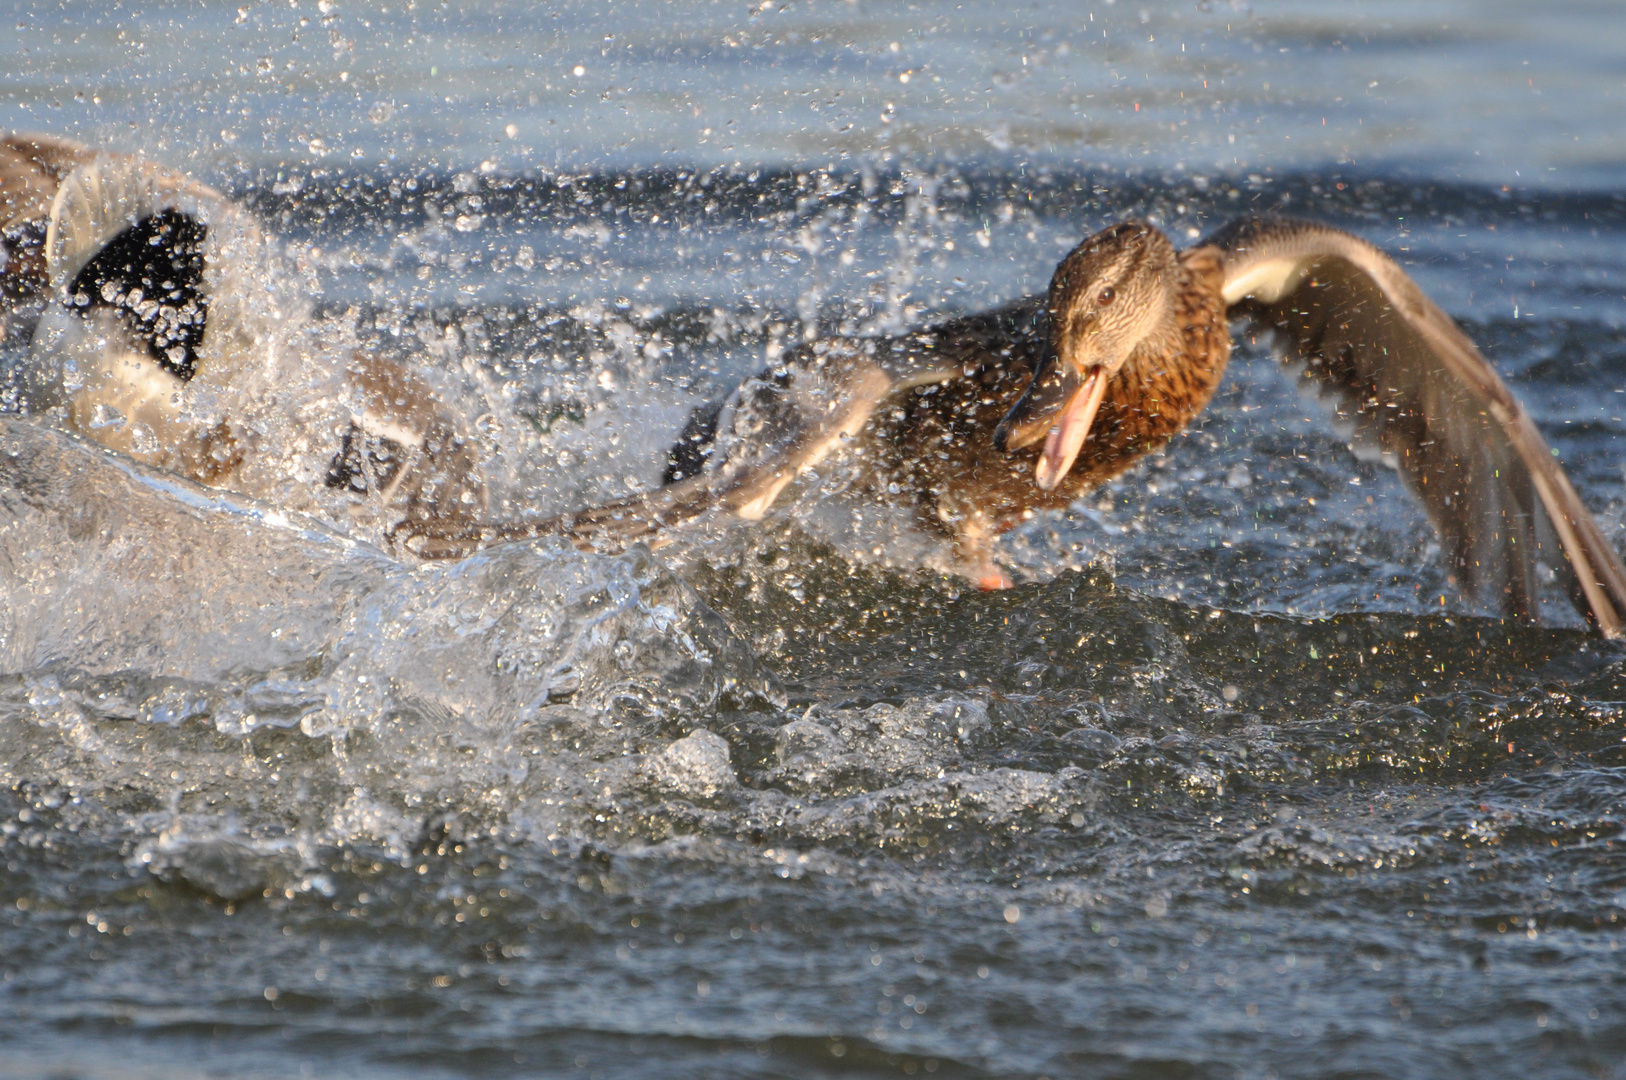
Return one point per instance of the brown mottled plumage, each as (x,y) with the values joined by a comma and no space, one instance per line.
(937,448)
(983,420)
(986,418)
(978,490)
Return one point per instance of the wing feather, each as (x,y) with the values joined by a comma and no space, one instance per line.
(738,455)
(1416,389)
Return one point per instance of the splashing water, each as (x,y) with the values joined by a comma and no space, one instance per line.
(1232,784)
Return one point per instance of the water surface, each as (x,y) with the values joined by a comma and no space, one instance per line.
(1232,784)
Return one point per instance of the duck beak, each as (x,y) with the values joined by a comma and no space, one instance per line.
(1058,407)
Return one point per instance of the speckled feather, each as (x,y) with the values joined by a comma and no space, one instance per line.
(939,444)
(1337,305)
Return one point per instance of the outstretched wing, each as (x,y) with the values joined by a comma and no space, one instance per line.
(738,455)
(784,422)
(735,456)
(1418,391)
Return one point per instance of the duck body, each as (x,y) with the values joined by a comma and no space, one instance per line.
(940,443)
(161,330)
(934,446)
(982,421)
(160,325)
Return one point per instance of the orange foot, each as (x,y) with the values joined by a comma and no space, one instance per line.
(992,579)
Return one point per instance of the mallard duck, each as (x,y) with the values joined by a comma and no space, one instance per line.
(991,417)
(157,331)
(162,329)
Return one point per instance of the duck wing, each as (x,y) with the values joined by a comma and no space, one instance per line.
(737,455)
(784,422)
(1415,389)
(734,456)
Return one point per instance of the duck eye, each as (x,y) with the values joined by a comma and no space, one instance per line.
(1105,296)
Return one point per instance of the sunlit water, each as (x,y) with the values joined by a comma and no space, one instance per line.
(1232,784)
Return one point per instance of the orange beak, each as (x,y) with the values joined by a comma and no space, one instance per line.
(1058,407)
(1062,444)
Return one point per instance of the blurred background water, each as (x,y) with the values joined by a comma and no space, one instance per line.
(1491,92)
(1233,784)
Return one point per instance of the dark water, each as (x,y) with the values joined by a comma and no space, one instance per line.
(1232,784)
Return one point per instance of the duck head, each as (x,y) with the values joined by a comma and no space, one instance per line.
(1113,294)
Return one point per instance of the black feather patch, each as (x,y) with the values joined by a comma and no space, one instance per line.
(694,446)
(151,275)
(366,462)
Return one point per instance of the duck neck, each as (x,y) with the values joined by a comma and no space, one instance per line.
(1171,375)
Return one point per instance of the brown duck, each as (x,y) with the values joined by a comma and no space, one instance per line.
(980,421)
(136,272)
(986,418)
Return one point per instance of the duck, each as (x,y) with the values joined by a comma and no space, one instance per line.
(979,422)
(158,330)
(159,325)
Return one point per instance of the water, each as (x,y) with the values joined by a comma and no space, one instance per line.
(1232,783)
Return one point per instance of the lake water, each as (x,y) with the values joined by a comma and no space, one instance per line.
(1233,784)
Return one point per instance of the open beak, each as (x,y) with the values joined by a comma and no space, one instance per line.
(1059,407)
